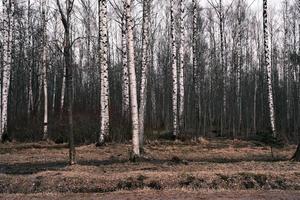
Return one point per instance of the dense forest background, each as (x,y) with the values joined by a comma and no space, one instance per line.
(220,48)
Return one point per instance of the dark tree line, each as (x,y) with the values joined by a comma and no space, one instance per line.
(94,71)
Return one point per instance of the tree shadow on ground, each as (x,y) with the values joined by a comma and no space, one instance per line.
(36,167)
(32,167)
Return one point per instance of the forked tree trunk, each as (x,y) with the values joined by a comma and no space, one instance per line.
(268,67)
(66,19)
(104,125)
(174,72)
(132,82)
(8,28)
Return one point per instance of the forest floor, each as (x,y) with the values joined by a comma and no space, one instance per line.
(204,169)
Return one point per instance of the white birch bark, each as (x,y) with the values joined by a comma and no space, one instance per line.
(181,67)
(125,78)
(132,81)
(63,88)
(268,67)
(8,27)
(44,74)
(145,66)
(174,72)
(104,125)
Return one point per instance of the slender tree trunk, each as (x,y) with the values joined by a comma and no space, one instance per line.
(181,68)
(224,70)
(63,88)
(174,72)
(194,59)
(268,67)
(8,28)
(66,19)
(239,67)
(145,66)
(28,61)
(104,125)
(44,74)
(125,78)
(132,82)
(54,92)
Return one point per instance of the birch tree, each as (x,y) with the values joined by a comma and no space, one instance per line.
(44,65)
(125,78)
(268,67)
(8,28)
(63,88)
(181,67)
(104,125)
(132,81)
(174,71)
(145,66)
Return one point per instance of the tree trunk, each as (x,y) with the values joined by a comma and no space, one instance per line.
(44,74)
(28,61)
(224,70)
(63,87)
(174,72)
(268,67)
(181,68)
(132,82)
(296,156)
(66,19)
(239,68)
(8,26)
(125,78)
(104,125)
(145,66)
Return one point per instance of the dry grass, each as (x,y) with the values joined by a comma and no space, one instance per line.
(203,164)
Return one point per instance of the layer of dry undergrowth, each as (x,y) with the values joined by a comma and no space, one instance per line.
(210,165)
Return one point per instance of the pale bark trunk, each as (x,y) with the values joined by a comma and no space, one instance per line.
(125,78)
(44,65)
(63,87)
(174,72)
(104,125)
(181,68)
(132,82)
(8,27)
(268,67)
(145,66)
